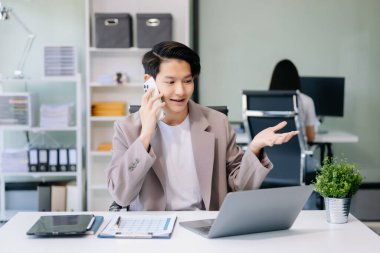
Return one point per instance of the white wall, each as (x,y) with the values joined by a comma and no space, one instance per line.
(242,40)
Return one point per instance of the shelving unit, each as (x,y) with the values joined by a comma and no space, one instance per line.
(102,61)
(71,134)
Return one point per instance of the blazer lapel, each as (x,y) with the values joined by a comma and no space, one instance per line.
(203,149)
(159,164)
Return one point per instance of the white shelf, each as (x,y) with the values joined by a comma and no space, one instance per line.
(39,80)
(99,187)
(128,85)
(110,118)
(39,174)
(39,129)
(61,132)
(101,153)
(118,50)
(106,61)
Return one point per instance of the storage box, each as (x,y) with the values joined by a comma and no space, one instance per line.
(153,28)
(113,30)
(18,109)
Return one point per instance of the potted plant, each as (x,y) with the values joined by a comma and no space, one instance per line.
(337,181)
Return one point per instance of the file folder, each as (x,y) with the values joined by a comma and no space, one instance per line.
(58,198)
(43,160)
(33,160)
(63,160)
(53,160)
(72,197)
(44,198)
(72,159)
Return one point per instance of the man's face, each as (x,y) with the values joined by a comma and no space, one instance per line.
(175,82)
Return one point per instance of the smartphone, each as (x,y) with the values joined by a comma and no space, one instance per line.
(151,83)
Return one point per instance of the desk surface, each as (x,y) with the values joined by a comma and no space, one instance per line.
(336,137)
(310,233)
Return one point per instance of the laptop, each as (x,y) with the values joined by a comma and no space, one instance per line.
(62,225)
(254,211)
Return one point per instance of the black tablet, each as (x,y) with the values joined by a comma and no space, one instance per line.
(62,225)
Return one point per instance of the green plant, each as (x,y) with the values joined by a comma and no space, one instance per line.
(338,178)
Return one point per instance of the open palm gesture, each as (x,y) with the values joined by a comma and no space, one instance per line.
(268,137)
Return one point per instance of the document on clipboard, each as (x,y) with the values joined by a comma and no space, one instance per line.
(139,227)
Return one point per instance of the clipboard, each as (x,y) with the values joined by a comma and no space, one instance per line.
(139,227)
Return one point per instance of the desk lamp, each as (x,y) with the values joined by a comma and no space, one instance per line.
(5,14)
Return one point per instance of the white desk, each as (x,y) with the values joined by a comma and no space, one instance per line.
(310,233)
(336,137)
(325,140)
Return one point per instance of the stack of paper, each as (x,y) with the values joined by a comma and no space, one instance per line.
(56,115)
(60,61)
(14,161)
(108,109)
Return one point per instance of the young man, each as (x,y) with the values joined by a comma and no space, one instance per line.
(189,160)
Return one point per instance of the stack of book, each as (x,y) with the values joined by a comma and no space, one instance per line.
(57,115)
(109,109)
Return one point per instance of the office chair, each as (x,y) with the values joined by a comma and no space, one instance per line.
(262,109)
(115,207)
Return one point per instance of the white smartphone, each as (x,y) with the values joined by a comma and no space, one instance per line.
(151,83)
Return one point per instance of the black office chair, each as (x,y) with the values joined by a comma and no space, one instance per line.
(262,109)
(115,207)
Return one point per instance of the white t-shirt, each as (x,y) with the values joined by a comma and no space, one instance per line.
(307,111)
(182,184)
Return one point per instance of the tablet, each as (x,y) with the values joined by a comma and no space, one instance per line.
(62,225)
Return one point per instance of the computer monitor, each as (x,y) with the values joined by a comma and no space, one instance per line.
(327,94)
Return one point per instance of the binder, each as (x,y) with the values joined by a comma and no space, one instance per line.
(44,198)
(58,198)
(53,160)
(72,199)
(63,160)
(33,160)
(43,160)
(72,159)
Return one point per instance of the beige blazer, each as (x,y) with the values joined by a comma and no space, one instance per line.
(136,175)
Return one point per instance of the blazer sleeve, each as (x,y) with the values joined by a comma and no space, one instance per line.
(245,170)
(129,165)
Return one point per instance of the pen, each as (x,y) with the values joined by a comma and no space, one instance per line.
(117,224)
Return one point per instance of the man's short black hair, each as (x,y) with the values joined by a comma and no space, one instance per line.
(170,50)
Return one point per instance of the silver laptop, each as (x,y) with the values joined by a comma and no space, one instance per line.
(254,211)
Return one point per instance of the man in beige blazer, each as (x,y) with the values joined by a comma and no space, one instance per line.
(189,160)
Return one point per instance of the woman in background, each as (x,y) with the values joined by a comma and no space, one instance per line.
(285,77)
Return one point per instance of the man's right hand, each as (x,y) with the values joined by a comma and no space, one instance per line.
(148,115)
